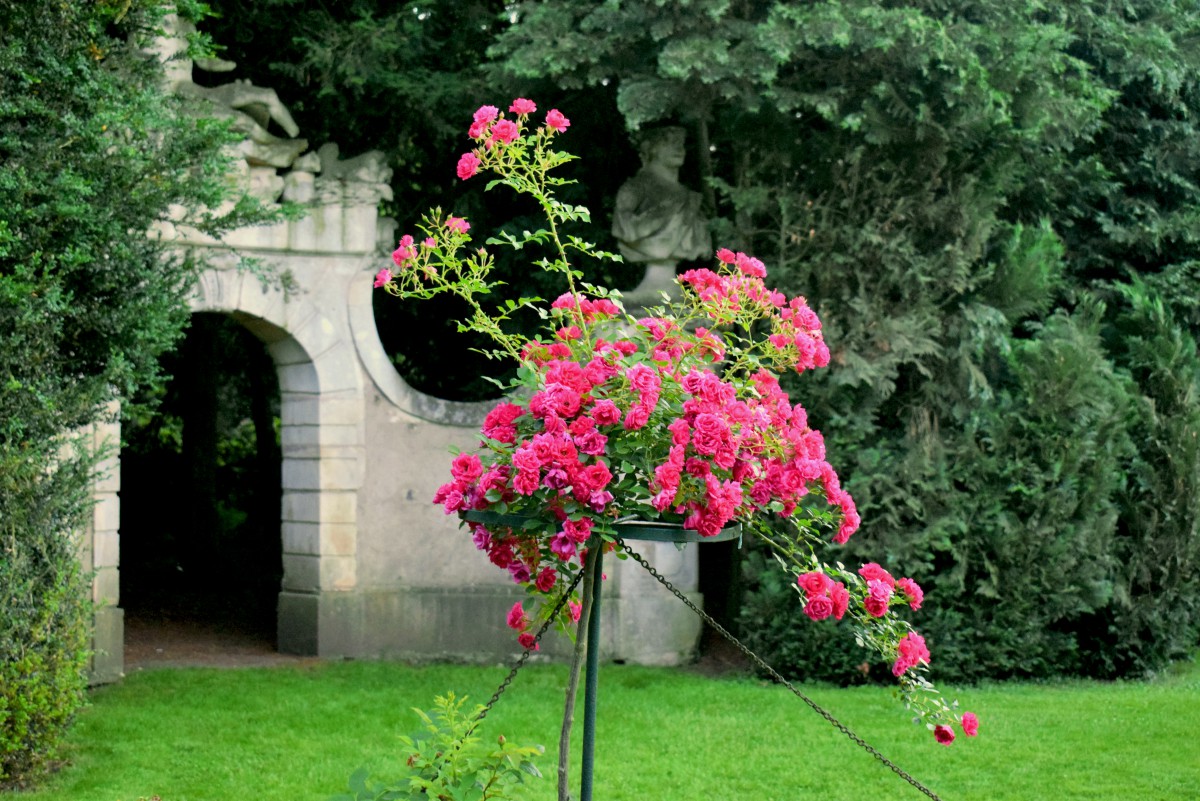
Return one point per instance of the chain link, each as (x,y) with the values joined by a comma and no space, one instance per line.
(512,674)
(837,724)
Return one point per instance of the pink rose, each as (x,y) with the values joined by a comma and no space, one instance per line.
(556,478)
(606,413)
(751,266)
(970,724)
(555,120)
(726,255)
(598,500)
(522,106)
(562,546)
(527,641)
(815,583)
(405,252)
(516,617)
(458,224)
(519,572)
(546,579)
(466,467)
(873,572)
(878,595)
(850,524)
(481,537)
(575,610)
(680,431)
(818,607)
(643,378)
(912,591)
(591,442)
(468,165)
(841,599)
(505,131)
(911,651)
(454,501)
(578,530)
(637,417)
(944,734)
(663,500)
(382,277)
(486,113)
(527,482)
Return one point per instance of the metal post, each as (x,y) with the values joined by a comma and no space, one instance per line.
(591,678)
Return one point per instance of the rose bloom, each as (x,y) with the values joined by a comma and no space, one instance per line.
(841,599)
(458,224)
(382,277)
(527,640)
(505,131)
(912,591)
(556,120)
(815,583)
(562,546)
(970,724)
(944,734)
(404,253)
(636,418)
(819,607)
(522,106)
(516,616)
(873,572)
(468,165)
(878,595)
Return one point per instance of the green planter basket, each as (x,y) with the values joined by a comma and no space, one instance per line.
(651,530)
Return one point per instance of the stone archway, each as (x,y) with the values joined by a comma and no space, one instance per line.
(322,444)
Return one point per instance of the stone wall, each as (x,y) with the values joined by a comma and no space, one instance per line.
(371,567)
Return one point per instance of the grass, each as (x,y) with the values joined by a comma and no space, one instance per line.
(296,733)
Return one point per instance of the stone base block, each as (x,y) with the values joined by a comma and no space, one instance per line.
(108,646)
(468,626)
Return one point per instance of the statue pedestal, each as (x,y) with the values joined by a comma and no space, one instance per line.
(659,279)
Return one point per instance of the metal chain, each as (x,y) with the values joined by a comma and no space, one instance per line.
(773,673)
(512,674)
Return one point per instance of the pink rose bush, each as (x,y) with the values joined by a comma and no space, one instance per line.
(675,416)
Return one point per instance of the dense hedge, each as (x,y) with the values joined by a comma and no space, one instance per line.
(1055,530)
(1015,392)
(92,155)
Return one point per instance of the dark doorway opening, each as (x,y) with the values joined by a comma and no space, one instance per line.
(721,584)
(200,493)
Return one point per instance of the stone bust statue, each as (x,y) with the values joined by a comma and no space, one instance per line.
(658,221)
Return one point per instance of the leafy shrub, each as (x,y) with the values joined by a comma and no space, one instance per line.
(93,156)
(448,762)
(44,611)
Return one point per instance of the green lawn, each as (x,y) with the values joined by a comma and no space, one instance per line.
(296,733)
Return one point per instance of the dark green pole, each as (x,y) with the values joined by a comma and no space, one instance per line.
(590,680)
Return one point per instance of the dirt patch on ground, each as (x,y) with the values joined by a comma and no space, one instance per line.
(162,642)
